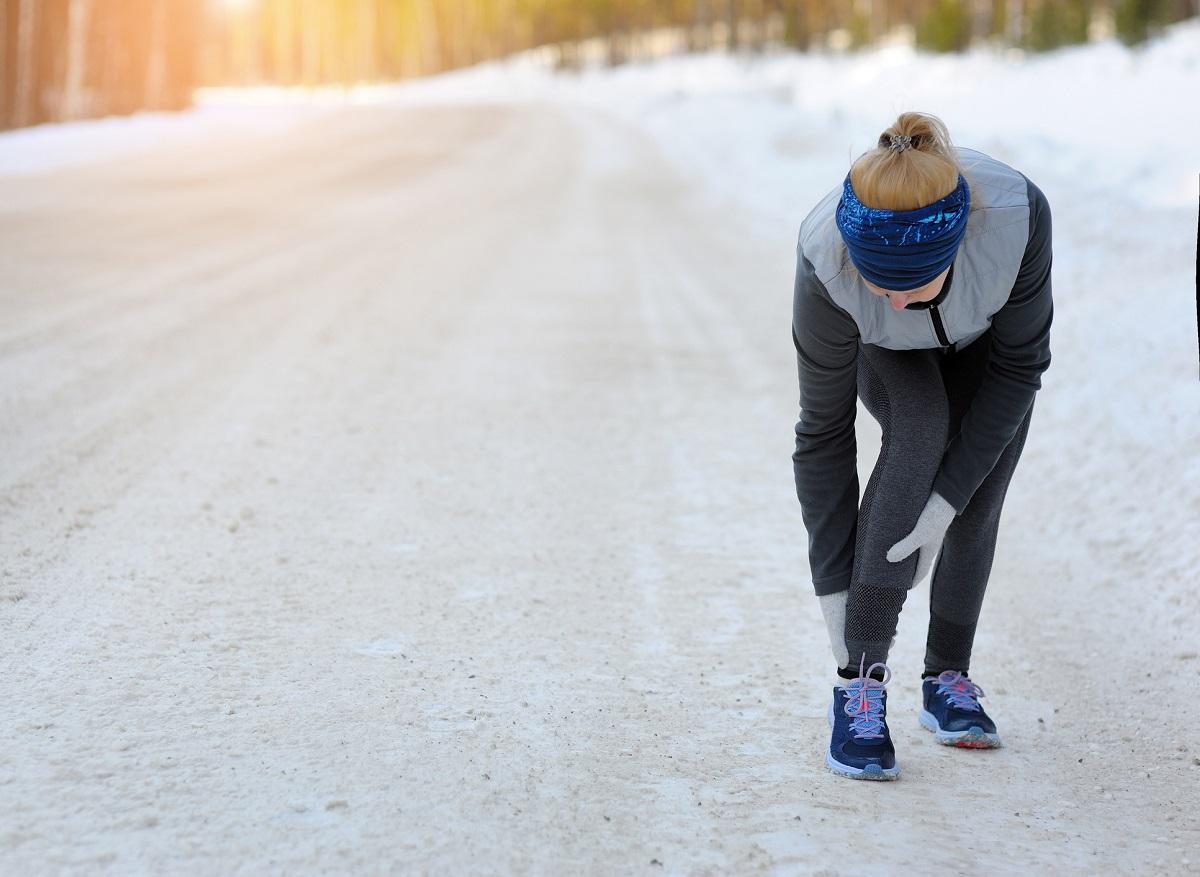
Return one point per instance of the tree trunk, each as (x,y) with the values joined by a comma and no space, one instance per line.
(285,42)
(23,109)
(6,75)
(700,32)
(79,13)
(366,40)
(310,48)
(156,60)
(980,23)
(431,60)
(1014,14)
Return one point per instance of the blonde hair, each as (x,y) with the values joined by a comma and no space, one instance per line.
(890,179)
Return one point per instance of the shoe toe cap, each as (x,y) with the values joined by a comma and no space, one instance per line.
(955,722)
(866,757)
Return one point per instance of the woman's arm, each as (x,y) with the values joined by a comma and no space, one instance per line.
(826,458)
(1020,354)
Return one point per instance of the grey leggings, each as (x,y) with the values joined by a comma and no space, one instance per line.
(919,398)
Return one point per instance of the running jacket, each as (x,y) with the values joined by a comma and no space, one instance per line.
(1000,279)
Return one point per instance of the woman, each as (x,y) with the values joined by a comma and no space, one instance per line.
(922,286)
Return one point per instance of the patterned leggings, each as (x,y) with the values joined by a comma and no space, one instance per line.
(919,398)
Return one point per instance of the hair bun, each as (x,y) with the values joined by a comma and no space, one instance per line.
(912,164)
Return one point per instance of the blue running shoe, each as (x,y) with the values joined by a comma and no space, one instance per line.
(861,745)
(953,713)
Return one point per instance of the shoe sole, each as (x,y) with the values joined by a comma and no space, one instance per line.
(972,738)
(870,772)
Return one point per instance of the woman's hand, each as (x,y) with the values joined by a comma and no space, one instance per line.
(833,607)
(927,535)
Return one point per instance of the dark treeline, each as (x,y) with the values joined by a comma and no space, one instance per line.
(66,59)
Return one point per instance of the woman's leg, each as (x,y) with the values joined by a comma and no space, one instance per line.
(903,390)
(964,565)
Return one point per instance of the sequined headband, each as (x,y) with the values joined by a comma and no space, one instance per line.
(901,250)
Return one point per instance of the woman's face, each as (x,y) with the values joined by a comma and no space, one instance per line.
(922,293)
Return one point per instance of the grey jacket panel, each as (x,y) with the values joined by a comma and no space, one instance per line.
(1020,355)
(826,337)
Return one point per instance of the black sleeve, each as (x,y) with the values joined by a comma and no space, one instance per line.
(826,459)
(1020,354)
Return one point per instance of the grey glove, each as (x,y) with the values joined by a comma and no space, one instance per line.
(833,606)
(927,535)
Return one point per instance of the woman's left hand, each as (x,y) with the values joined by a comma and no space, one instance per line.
(927,535)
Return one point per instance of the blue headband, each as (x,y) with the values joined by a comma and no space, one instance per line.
(900,250)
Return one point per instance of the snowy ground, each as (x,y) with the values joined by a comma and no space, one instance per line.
(402,483)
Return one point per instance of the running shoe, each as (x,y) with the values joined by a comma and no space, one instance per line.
(953,713)
(861,745)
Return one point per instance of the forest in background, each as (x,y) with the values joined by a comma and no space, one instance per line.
(72,59)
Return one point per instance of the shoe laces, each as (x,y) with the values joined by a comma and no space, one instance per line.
(864,701)
(961,693)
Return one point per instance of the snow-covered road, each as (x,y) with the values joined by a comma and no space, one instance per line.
(410,490)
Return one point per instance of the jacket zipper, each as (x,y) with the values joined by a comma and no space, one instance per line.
(938,328)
